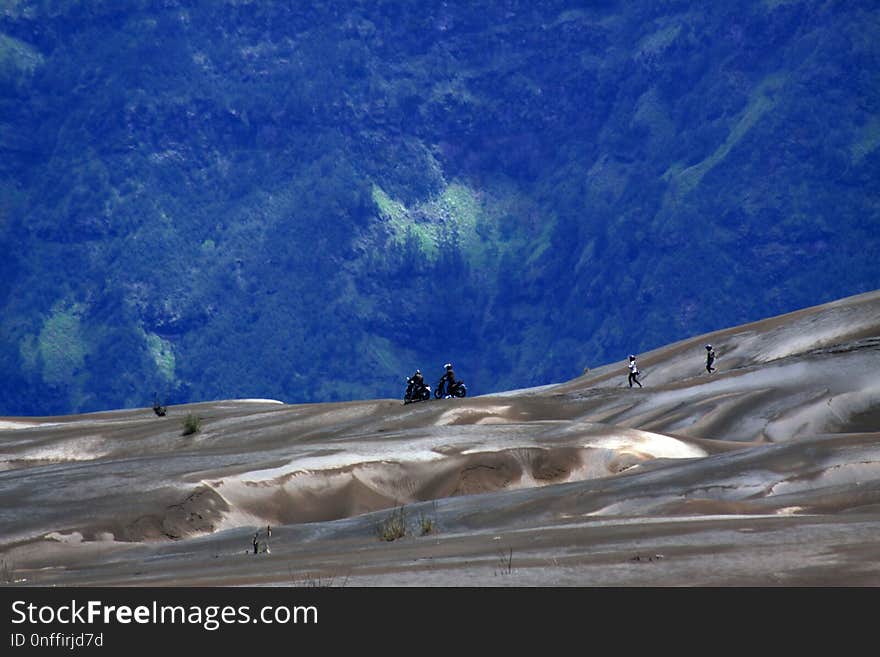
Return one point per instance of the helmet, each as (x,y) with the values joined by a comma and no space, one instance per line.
(631,357)
(418,371)
(448,366)
(708,346)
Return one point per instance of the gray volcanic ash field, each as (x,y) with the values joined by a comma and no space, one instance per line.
(766,472)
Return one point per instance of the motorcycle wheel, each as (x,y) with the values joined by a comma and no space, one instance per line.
(460,391)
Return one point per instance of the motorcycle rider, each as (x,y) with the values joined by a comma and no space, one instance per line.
(448,378)
(415,383)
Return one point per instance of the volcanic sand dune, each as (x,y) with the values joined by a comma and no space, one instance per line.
(765,472)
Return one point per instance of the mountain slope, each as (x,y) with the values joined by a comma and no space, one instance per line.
(308,202)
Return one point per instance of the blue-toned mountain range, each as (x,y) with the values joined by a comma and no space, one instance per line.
(306,201)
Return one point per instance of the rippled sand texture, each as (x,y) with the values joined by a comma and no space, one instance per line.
(766,472)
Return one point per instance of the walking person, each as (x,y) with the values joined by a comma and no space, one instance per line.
(710,358)
(633,371)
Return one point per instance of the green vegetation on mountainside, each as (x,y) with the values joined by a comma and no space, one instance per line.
(307,201)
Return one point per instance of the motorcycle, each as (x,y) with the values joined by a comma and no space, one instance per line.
(416,394)
(458,389)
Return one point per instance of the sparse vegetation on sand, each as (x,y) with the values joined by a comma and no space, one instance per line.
(505,562)
(7,573)
(393,526)
(317,581)
(426,525)
(192,423)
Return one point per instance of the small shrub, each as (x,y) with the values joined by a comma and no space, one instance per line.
(7,573)
(426,525)
(191,424)
(505,563)
(317,581)
(394,526)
